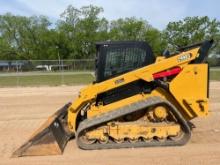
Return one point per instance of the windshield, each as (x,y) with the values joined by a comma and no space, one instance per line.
(121,60)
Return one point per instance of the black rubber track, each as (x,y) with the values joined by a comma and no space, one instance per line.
(89,124)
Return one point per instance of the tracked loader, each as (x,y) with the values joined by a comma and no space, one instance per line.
(137,100)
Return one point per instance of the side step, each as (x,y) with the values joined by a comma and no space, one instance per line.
(49,139)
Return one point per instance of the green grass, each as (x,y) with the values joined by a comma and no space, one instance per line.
(45,80)
(215,75)
(56,79)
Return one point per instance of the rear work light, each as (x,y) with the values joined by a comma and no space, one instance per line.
(167,73)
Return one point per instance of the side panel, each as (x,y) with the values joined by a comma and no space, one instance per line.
(190,88)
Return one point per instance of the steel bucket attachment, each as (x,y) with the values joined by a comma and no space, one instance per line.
(49,139)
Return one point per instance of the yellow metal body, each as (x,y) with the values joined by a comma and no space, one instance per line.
(188,90)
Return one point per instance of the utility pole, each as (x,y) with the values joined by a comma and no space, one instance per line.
(58,55)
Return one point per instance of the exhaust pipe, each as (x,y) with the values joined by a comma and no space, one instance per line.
(50,139)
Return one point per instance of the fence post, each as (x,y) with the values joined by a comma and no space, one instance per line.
(62,72)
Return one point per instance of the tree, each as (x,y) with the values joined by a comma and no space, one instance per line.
(82,28)
(139,30)
(191,30)
(23,37)
(9,43)
(155,40)
(128,29)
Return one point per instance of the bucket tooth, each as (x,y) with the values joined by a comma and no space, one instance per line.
(49,139)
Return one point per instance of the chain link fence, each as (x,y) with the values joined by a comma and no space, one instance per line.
(46,72)
(62,65)
(47,65)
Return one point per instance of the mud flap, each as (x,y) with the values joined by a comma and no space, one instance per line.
(49,139)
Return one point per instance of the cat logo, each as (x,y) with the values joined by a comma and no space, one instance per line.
(184,57)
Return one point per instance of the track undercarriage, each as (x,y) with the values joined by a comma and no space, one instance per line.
(152,122)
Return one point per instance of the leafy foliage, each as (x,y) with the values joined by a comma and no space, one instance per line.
(191,30)
(75,34)
(137,29)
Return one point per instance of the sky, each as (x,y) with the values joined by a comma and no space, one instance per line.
(157,12)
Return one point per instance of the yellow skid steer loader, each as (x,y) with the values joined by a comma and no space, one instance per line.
(137,100)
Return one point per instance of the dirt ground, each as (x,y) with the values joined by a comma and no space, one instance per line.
(22,110)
